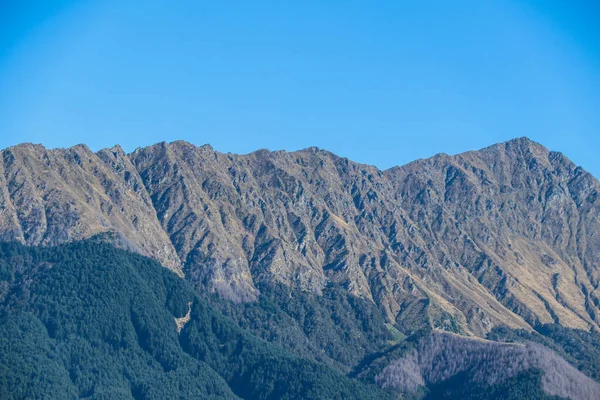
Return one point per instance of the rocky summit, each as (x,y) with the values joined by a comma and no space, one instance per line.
(504,236)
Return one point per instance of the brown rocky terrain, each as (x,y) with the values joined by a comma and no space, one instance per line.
(53,196)
(507,235)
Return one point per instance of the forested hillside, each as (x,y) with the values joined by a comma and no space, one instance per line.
(86,320)
(335,327)
(580,348)
(438,364)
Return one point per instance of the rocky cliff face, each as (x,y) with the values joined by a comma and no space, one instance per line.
(53,196)
(503,236)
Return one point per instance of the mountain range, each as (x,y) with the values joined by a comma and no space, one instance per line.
(367,271)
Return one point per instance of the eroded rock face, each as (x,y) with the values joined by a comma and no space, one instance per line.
(54,196)
(507,235)
(518,218)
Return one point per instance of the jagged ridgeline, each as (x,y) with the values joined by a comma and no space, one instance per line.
(297,275)
(86,320)
(504,236)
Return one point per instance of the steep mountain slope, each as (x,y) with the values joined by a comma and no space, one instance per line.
(439,358)
(520,219)
(504,236)
(54,196)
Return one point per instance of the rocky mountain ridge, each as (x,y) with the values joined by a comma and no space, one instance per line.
(507,235)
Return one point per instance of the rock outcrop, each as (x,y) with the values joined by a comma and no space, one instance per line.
(49,197)
(508,235)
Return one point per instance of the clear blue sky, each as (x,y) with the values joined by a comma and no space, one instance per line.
(380,82)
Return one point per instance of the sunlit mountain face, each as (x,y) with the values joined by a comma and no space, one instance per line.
(179,269)
(410,228)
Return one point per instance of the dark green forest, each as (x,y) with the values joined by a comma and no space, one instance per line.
(86,320)
(527,386)
(335,328)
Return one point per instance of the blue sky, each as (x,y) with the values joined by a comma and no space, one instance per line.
(380,82)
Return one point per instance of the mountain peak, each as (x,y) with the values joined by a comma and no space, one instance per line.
(472,241)
(524,143)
